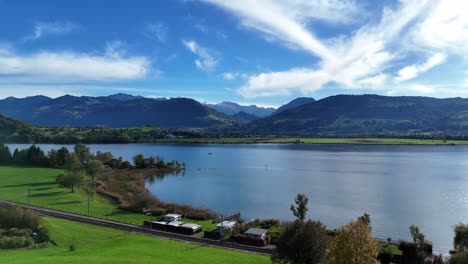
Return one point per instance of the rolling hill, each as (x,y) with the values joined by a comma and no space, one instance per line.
(294,103)
(368,114)
(14,131)
(113,111)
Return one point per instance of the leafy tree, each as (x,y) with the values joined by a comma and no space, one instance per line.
(151,162)
(365,219)
(460,241)
(104,157)
(74,176)
(62,155)
(415,252)
(418,237)
(300,210)
(5,154)
(139,161)
(83,152)
(19,156)
(93,168)
(353,244)
(302,243)
(90,189)
(35,156)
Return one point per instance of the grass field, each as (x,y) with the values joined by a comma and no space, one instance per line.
(363,141)
(95,244)
(17,182)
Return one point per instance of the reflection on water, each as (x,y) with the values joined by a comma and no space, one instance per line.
(397,185)
(160,175)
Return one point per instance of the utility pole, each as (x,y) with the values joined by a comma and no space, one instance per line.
(29,196)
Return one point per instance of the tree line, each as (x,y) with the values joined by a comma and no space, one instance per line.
(308,242)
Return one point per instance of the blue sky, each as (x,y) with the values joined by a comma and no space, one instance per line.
(262,52)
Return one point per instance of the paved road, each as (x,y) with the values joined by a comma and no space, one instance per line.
(138,229)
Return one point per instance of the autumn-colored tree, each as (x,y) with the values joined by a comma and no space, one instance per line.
(353,244)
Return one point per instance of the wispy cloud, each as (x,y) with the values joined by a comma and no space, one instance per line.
(70,66)
(361,59)
(156,31)
(444,27)
(206,60)
(230,76)
(411,72)
(42,29)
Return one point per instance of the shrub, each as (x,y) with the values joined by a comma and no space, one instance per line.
(7,242)
(269,223)
(43,235)
(18,217)
(303,242)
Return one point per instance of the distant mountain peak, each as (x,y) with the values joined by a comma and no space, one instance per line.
(295,103)
(123,97)
(231,108)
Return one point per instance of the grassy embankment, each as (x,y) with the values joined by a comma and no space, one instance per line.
(45,192)
(95,244)
(361,141)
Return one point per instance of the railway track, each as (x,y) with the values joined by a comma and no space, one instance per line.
(142,230)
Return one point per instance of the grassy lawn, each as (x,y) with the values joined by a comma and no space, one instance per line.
(16,181)
(370,141)
(95,244)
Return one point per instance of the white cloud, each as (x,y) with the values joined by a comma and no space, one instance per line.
(445,27)
(375,81)
(282,83)
(411,72)
(354,61)
(282,20)
(69,66)
(206,60)
(360,59)
(42,29)
(156,31)
(230,76)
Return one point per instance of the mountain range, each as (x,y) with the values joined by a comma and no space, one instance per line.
(113,111)
(334,115)
(368,114)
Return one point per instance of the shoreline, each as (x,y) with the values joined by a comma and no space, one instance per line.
(314,141)
(298,141)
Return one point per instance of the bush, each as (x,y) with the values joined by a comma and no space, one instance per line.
(7,242)
(18,217)
(459,258)
(303,242)
(43,235)
(269,223)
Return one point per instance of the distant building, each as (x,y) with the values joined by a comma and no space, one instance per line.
(193,228)
(172,217)
(256,233)
(225,226)
(175,223)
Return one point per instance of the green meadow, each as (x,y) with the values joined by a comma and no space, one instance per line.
(95,244)
(38,186)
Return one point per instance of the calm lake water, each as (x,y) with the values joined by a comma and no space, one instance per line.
(397,185)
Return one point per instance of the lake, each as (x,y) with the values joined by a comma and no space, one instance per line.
(397,185)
